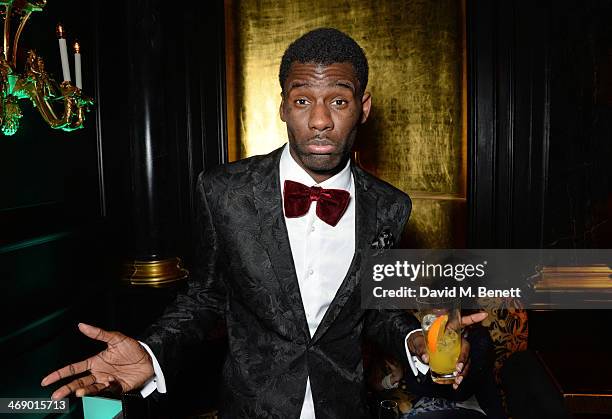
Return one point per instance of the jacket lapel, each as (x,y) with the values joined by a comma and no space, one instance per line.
(366,225)
(274,237)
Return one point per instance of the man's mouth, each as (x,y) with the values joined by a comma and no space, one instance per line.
(320,147)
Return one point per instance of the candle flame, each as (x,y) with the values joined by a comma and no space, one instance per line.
(59,30)
(77,47)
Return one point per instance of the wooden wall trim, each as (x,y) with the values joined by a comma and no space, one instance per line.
(481,121)
(508,128)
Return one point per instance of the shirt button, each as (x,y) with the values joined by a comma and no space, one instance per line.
(310,272)
(312,228)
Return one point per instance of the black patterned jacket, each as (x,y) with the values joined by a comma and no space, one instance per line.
(245,274)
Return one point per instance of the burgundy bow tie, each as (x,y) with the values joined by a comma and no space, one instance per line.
(331,203)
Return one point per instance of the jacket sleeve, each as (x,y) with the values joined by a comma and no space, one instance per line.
(199,308)
(388,329)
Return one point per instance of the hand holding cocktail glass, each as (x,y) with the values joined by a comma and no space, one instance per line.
(442,346)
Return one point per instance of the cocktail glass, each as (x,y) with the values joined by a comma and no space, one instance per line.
(388,409)
(441,324)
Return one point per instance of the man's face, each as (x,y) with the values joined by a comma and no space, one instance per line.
(322,107)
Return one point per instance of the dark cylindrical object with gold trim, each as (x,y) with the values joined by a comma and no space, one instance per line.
(154,273)
(153,191)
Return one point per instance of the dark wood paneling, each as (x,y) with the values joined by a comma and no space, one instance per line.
(578,200)
(189,132)
(539,139)
(482,68)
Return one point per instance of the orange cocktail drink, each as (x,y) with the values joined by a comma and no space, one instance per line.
(441,324)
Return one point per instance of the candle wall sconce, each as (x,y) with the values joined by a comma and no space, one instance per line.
(62,105)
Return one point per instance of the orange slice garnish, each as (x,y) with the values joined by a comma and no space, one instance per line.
(434,332)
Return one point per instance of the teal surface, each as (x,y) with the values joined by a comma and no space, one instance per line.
(100,407)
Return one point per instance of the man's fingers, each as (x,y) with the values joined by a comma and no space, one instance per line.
(463,355)
(463,363)
(458,381)
(72,387)
(96,333)
(461,376)
(67,371)
(60,393)
(473,318)
(465,370)
(91,389)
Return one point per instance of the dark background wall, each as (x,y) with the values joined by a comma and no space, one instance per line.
(540,131)
(578,211)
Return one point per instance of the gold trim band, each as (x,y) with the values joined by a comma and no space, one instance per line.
(575,278)
(154,273)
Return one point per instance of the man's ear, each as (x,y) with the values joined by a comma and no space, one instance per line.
(281,111)
(366,105)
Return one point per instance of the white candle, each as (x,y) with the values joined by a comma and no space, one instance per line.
(77,66)
(63,52)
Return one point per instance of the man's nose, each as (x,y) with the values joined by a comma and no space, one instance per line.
(320,118)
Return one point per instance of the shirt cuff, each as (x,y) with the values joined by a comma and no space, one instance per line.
(416,365)
(386,383)
(157,382)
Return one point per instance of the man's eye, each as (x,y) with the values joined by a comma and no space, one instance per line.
(301,101)
(340,102)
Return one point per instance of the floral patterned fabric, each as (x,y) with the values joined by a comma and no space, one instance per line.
(507,324)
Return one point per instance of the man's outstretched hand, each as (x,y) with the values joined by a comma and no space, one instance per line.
(123,366)
(416,344)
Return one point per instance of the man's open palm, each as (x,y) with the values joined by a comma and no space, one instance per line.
(123,366)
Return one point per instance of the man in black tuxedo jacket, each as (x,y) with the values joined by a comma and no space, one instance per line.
(281,242)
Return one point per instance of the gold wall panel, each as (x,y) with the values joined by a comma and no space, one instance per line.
(436,223)
(414,138)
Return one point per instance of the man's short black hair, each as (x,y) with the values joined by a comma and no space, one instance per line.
(325,46)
